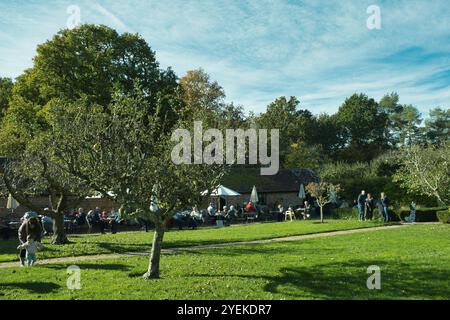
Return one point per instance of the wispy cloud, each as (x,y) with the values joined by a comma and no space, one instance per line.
(320,51)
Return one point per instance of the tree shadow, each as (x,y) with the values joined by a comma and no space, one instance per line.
(34,287)
(91,266)
(123,248)
(256,249)
(348,281)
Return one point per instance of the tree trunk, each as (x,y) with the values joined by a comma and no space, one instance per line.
(59,234)
(153,268)
(321,214)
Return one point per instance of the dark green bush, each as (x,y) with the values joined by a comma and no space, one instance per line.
(345,213)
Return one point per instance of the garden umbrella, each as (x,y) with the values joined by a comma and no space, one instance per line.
(301,193)
(12,203)
(224,191)
(221,191)
(254,195)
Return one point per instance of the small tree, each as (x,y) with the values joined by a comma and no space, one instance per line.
(324,193)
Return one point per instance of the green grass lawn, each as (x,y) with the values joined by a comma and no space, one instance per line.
(414,264)
(141,241)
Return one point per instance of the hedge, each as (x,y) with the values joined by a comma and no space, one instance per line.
(444,216)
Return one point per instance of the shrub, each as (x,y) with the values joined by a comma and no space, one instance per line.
(345,213)
(444,216)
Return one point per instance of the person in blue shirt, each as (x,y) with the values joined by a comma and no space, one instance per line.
(384,201)
(361,203)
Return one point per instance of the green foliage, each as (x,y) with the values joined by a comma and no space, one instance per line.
(354,177)
(426,171)
(444,216)
(437,126)
(6,86)
(364,124)
(294,124)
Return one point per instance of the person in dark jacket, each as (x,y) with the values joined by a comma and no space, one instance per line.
(369,207)
(30,228)
(384,205)
(361,202)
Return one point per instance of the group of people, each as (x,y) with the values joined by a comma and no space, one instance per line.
(366,204)
(229,213)
(95,219)
(303,210)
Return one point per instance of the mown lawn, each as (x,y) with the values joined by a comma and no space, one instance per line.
(141,241)
(414,264)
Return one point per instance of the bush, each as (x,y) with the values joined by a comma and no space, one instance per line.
(444,216)
(345,213)
(352,214)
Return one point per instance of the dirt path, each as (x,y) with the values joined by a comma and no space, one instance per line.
(67,260)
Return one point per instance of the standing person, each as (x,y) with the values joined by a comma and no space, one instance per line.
(385,206)
(30,247)
(30,227)
(361,202)
(280,213)
(370,205)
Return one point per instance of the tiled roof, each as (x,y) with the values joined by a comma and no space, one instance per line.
(242,180)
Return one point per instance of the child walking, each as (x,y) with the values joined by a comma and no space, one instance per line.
(31,246)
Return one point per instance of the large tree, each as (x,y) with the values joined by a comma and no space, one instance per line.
(294,124)
(405,125)
(125,154)
(437,126)
(364,124)
(6,86)
(90,63)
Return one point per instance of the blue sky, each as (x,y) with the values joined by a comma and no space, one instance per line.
(258,50)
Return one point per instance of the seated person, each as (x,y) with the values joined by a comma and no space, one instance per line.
(211,210)
(412,215)
(306,213)
(196,215)
(250,207)
(290,213)
(231,213)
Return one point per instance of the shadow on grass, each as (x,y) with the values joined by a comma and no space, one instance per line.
(348,281)
(34,287)
(91,266)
